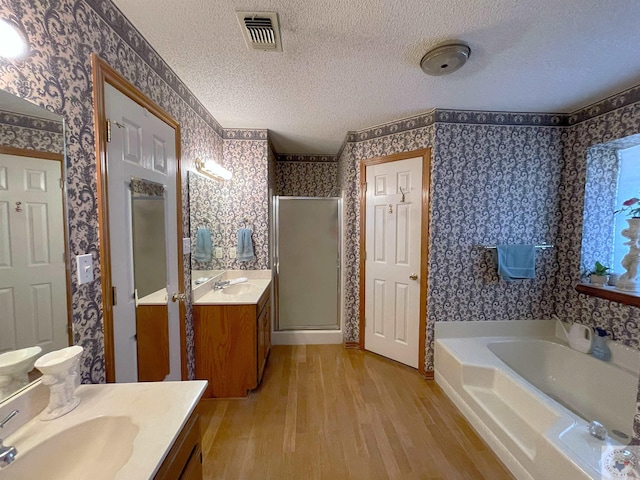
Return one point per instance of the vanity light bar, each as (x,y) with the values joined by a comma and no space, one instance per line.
(212,170)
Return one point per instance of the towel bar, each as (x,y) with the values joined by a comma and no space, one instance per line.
(493,247)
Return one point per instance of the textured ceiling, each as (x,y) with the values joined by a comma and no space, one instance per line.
(352,64)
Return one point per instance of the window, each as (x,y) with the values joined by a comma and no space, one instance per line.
(628,187)
(613,176)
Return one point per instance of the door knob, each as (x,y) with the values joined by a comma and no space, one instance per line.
(413,276)
(178,297)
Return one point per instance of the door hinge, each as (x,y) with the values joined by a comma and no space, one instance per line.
(114,296)
(366,185)
(108,130)
(61,183)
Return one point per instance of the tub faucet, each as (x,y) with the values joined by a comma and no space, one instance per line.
(597,430)
(7,454)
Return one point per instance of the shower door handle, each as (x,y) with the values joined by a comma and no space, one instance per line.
(413,276)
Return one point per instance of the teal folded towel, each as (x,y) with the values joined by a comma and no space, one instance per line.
(516,262)
(204,246)
(245,246)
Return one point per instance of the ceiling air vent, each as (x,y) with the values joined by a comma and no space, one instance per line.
(261,30)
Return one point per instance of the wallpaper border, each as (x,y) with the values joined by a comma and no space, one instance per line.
(470,117)
(245,134)
(28,121)
(606,105)
(306,158)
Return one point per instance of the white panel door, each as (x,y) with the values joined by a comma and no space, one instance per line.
(392,282)
(33,295)
(142,146)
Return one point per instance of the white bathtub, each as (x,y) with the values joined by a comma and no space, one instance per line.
(531,400)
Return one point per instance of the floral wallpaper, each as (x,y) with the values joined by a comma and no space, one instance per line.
(31,133)
(307,178)
(205,211)
(247,199)
(226,206)
(56,74)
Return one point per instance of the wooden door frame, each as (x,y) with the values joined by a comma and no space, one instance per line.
(103,73)
(424,242)
(55,157)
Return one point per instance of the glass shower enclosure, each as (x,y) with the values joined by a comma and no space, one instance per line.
(307,263)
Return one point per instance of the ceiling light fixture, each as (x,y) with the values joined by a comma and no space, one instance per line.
(445,59)
(212,170)
(12,43)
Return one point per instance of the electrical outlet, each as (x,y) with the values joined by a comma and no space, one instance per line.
(218,252)
(85,268)
(186,246)
(232,252)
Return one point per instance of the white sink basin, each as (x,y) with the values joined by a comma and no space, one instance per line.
(95,449)
(239,289)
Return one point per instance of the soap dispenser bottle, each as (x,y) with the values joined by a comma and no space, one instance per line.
(600,348)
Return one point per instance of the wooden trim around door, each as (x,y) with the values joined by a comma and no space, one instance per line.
(56,157)
(424,242)
(104,73)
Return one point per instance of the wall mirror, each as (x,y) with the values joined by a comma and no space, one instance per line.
(34,279)
(206,226)
(148,232)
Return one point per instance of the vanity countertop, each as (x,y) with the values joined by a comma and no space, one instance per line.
(249,293)
(159,410)
(155,298)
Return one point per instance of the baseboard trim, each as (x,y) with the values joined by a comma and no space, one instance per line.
(311,337)
(354,345)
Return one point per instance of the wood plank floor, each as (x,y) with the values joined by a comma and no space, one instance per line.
(325,412)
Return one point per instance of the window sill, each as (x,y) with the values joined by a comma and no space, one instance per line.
(610,293)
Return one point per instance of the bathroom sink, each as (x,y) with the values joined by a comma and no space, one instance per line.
(96,449)
(239,289)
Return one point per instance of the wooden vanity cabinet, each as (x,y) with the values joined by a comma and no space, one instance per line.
(184,460)
(232,343)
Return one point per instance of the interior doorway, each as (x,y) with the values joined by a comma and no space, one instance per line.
(148,152)
(394,206)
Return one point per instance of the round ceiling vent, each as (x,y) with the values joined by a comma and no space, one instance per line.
(445,59)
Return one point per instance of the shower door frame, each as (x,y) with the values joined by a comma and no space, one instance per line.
(276,265)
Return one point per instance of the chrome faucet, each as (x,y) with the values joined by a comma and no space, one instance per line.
(7,454)
(220,285)
(597,430)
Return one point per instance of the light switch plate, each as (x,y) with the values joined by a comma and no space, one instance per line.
(186,246)
(85,268)
(232,252)
(218,252)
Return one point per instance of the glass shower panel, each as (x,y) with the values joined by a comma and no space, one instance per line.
(308,256)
